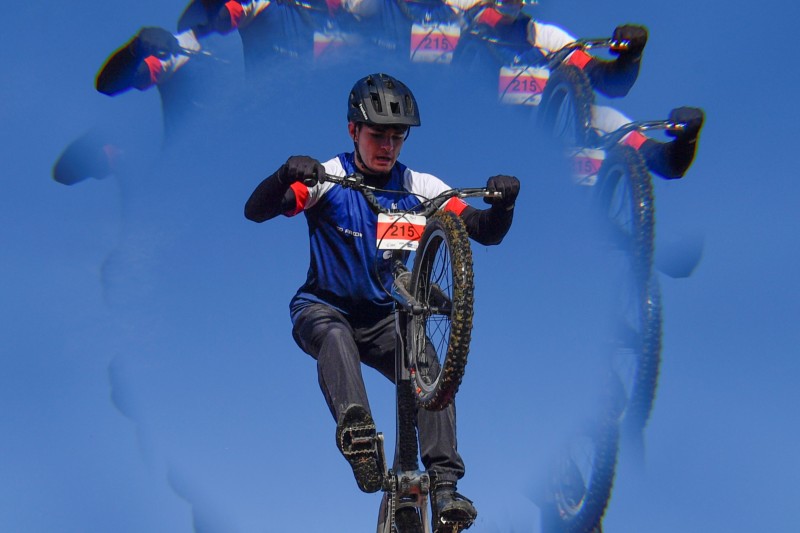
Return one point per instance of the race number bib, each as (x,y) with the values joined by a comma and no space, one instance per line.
(399,231)
(522,85)
(586,165)
(434,42)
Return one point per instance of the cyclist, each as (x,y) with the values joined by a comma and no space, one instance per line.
(155,57)
(500,32)
(670,160)
(149,58)
(420,31)
(342,315)
(274,34)
(277,33)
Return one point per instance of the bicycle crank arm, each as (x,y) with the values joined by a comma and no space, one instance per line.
(403,297)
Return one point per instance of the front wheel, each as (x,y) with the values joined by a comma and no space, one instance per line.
(565,112)
(580,481)
(439,337)
(626,200)
(626,197)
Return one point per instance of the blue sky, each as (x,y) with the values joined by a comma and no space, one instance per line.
(191,405)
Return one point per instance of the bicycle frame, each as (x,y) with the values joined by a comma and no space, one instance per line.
(405,485)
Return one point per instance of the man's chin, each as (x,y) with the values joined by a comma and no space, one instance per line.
(383,166)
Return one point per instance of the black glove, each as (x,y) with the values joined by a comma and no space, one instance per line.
(508,186)
(155,42)
(692,119)
(636,36)
(301,168)
(218,17)
(212,6)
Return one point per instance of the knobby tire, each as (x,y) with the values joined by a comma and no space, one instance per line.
(626,198)
(565,111)
(439,339)
(581,499)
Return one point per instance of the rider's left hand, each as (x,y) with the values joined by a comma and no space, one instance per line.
(691,117)
(508,186)
(155,41)
(635,35)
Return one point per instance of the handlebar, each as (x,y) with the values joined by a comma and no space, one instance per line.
(557,57)
(610,139)
(427,207)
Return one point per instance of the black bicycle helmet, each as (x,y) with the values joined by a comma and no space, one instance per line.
(381,100)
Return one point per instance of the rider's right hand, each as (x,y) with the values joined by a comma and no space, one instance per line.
(508,186)
(692,119)
(301,168)
(154,41)
(635,36)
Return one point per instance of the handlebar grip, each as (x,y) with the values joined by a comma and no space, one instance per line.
(619,46)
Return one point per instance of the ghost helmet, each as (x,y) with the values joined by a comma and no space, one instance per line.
(511,8)
(381,100)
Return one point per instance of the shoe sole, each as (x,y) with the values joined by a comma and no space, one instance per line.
(356,439)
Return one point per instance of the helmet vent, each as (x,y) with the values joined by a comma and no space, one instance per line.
(376,102)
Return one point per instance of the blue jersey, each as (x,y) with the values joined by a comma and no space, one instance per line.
(394,27)
(347,271)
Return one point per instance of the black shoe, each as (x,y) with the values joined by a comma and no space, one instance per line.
(89,156)
(451,510)
(356,438)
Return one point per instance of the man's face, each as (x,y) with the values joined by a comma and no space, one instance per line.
(379,146)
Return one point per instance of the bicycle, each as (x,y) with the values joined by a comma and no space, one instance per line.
(434,303)
(553,84)
(565,109)
(625,194)
(583,474)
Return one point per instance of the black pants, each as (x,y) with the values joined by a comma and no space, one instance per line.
(339,349)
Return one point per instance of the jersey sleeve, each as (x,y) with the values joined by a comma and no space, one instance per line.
(162,70)
(548,37)
(243,13)
(426,186)
(606,119)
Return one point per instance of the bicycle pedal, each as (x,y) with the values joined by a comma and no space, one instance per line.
(455,525)
(452,527)
(358,440)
